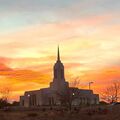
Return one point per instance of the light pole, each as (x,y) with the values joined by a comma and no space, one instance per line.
(90,85)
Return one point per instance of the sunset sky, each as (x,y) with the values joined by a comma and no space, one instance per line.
(87,31)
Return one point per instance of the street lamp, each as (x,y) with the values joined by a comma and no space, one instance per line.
(90,85)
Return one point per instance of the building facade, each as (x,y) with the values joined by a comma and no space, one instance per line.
(58,92)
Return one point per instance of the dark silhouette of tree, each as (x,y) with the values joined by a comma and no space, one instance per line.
(76,82)
(4,95)
(3,103)
(112,93)
(67,97)
(15,103)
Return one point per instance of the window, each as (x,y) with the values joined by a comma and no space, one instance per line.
(55,73)
(22,102)
(62,73)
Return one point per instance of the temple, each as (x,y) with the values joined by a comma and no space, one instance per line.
(58,88)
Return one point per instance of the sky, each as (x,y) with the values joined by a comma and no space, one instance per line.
(87,31)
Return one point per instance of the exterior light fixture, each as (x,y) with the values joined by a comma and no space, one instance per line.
(28,95)
(73,94)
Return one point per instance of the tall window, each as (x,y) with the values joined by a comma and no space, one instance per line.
(22,102)
(34,99)
(62,73)
(55,73)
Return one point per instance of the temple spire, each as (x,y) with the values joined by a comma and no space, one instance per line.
(58,56)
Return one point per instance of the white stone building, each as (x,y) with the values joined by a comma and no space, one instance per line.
(52,95)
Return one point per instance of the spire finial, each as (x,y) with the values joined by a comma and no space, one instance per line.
(58,57)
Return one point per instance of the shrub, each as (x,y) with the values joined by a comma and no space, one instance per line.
(32,115)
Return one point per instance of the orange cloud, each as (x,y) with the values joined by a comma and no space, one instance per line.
(24,80)
(19,81)
(89,48)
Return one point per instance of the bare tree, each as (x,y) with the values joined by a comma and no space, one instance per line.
(76,82)
(68,96)
(5,93)
(112,93)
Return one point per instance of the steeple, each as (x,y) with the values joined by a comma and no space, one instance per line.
(59,82)
(58,69)
(58,55)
